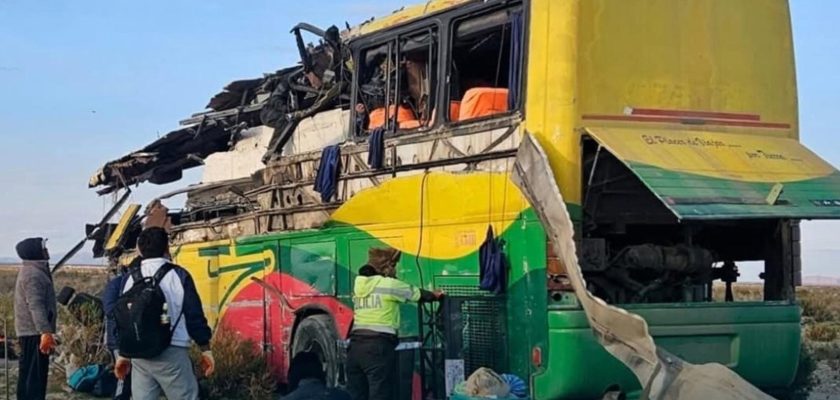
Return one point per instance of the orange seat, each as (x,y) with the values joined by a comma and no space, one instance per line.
(405,118)
(454,110)
(482,101)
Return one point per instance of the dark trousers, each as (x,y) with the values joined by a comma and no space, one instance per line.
(371,367)
(34,367)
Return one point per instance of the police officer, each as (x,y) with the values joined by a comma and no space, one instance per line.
(377,295)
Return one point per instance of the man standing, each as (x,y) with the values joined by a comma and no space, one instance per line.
(109,301)
(377,296)
(35,314)
(170,371)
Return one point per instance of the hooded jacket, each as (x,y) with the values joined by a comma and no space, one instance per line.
(32,249)
(377,299)
(35,305)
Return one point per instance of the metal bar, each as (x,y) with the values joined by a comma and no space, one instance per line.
(216,115)
(452,147)
(6,354)
(311,29)
(388,82)
(502,138)
(305,58)
(397,86)
(430,60)
(400,168)
(364,167)
(107,217)
(592,172)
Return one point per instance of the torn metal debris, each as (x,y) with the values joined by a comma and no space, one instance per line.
(164,160)
(279,100)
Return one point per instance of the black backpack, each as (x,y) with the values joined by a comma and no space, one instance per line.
(140,332)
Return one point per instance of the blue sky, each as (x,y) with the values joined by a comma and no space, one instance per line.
(84,82)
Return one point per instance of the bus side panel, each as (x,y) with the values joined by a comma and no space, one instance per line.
(759,341)
(527,295)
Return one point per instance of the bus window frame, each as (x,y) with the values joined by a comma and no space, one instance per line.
(444,21)
(452,25)
(393,38)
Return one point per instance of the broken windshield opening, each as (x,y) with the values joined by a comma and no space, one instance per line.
(397,84)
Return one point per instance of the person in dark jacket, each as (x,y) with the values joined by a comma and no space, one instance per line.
(109,301)
(308,380)
(35,314)
(171,372)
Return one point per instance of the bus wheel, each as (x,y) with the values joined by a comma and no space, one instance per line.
(317,334)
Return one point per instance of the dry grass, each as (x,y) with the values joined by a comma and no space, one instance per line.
(241,370)
(80,341)
(822,304)
(820,309)
(822,331)
(90,281)
(820,354)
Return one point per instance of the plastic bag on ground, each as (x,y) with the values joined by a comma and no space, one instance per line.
(484,382)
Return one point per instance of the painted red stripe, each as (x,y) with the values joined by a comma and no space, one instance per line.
(718,122)
(695,114)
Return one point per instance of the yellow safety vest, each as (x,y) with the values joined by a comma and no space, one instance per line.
(377,300)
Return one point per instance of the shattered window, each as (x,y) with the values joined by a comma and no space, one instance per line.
(485,66)
(397,84)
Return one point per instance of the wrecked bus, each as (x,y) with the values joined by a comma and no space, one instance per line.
(671,128)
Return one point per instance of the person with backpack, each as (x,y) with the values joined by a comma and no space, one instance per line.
(109,302)
(36,310)
(157,316)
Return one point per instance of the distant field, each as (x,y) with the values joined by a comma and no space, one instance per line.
(85,278)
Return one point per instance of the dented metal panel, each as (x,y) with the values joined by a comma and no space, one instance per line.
(122,226)
(713,175)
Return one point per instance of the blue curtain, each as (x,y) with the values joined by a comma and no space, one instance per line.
(517,39)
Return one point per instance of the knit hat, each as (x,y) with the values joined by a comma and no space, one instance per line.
(384,261)
(32,249)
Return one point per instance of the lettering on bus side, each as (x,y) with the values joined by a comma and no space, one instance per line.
(367,302)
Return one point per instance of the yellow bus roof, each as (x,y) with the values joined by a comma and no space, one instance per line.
(406,14)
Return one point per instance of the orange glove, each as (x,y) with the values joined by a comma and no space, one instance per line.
(122,367)
(47,343)
(207,363)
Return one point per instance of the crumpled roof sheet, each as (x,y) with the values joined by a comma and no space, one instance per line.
(235,94)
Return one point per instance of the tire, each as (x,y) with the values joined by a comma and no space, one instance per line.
(317,334)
